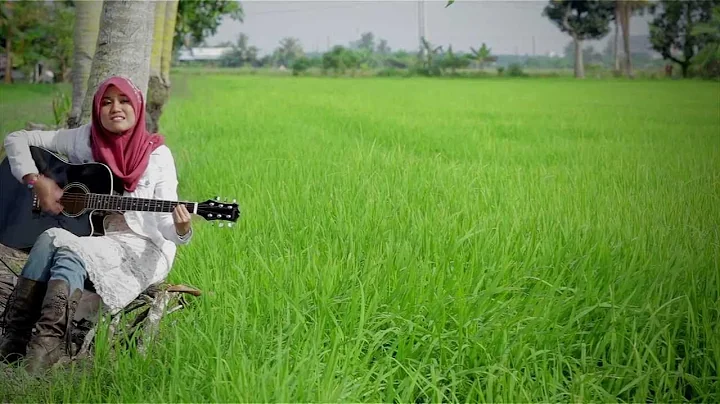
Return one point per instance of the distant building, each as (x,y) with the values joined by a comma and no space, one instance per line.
(202,54)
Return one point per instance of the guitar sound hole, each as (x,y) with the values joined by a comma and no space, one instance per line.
(73,200)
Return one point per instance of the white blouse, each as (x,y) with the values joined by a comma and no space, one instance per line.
(158,182)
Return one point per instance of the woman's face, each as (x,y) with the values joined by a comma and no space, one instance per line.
(116,111)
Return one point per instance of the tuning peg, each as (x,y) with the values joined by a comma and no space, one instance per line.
(234,201)
(217,198)
(230,225)
(221,224)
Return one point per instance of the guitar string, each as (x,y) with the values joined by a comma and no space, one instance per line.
(116,203)
(91,196)
(127,203)
(153,204)
(105,199)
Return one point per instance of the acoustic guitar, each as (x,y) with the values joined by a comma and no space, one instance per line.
(90,192)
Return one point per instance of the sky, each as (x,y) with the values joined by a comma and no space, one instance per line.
(506,26)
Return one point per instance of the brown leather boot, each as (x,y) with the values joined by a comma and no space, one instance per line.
(21,312)
(51,342)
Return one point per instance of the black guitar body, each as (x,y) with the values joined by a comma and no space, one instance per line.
(21,223)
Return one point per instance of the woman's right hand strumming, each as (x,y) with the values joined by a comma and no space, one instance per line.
(48,193)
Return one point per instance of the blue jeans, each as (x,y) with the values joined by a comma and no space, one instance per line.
(46,262)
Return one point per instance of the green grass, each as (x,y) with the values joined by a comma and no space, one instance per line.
(422,240)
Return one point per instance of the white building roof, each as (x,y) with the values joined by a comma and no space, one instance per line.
(202,53)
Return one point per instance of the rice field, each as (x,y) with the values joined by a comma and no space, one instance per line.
(427,240)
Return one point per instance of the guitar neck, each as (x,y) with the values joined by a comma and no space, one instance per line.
(125,203)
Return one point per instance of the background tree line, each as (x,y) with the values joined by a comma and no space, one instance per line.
(62,35)
(437,60)
(683,33)
(365,53)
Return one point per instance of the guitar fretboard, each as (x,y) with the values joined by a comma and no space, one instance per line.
(123,203)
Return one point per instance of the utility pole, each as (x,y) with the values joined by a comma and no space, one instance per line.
(421,25)
(533,45)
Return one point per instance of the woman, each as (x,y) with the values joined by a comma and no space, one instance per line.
(138,248)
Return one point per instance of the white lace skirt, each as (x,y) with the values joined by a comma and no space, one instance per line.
(121,264)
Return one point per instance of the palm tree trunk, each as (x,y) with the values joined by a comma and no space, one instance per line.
(170,19)
(123,47)
(159,86)
(625,23)
(8,42)
(158,36)
(87,25)
(579,68)
(617,39)
(155,85)
(63,70)
(8,59)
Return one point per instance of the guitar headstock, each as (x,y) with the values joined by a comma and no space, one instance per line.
(216,209)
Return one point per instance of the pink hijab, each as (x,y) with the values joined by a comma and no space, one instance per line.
(127,154)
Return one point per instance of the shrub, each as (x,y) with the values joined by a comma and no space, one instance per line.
(300,66)
(515,70)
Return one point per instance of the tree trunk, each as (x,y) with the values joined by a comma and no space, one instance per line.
(87,25)
(169,35)
(690,43)
(685,67)
(8,59)
(579,69)
(7,7)
(159,85)
(617,39)
(625,23)
(63,70)
(155,84)
(67,72)
(158,37)
(123,47)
